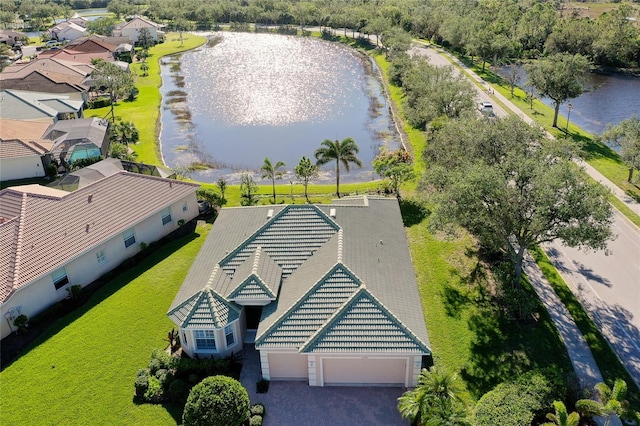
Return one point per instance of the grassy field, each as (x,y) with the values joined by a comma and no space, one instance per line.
(81,371)
(144,111)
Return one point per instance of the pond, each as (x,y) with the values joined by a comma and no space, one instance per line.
(608,99)
(248,96)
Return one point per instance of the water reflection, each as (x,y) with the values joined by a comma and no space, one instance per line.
(263,95)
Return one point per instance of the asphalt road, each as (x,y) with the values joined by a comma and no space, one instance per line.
(608,286)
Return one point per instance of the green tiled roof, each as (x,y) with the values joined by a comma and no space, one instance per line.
(290,238)
(205,309)
(312,310)
(258,277)
(363,325)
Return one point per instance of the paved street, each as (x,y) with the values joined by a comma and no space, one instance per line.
(607,286)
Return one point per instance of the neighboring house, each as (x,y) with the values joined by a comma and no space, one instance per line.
(20,159)
(20,129)
(51,240)
(88,175)
(78,139)
(328,292)
(74,69)
(131,29)
(10,37)
(49,82)
(68,31)
(38,106)
(72,55)
(148,169)
(79,21)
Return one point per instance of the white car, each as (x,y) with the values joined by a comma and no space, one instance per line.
(485,107)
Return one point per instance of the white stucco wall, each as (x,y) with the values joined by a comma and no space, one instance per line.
(84,269)
(133,33)
(21,167)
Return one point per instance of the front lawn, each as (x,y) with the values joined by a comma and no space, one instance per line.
(82,370)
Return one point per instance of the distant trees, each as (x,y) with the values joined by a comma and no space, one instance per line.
(248,190)
(626,135)
(342,152)
(103,26)
(395,166)
(559,77)
(272,171)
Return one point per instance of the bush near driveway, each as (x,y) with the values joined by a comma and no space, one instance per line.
(217,401)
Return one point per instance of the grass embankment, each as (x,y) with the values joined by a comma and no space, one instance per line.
(144,111)
(597,154)
(610,366)
(81,371)
(468,333)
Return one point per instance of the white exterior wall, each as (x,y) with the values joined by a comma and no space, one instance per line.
(222,350)
(69,33)
(21,167)
(84,269)
(132,33)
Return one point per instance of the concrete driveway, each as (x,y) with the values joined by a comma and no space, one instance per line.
(297,403)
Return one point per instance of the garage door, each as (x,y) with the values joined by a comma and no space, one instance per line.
(288,367)
(364,371)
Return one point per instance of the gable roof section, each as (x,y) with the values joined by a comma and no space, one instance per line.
(363,325)
(20,129)
(290,238)
(138,22)
(205,309)
(15,148)
(293,328)
(56,229)
(262,280)
(20,103)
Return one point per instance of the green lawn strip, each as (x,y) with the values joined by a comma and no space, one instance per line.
(468,333)
(609,364)
(82,370)
(144,111)
(625,210)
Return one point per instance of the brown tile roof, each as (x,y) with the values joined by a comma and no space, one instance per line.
(46,64)
(40,233)
(19,129)
(92,44)
(20,148)
(77,56)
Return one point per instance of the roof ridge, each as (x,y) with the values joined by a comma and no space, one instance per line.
(358,293)
(260,283)
(15,270)
(340,245)
(304,296)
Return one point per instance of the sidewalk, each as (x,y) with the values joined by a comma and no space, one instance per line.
(596,175)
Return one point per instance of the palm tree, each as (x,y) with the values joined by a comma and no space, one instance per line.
(434,401)
(342,152)
(272,172)
(561,417)
(611,401)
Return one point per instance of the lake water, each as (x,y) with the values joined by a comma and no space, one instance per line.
(608,99)
(252,96)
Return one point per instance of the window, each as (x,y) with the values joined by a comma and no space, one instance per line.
(185,342)
(185,207)
(60,278)
(102,257)
(205,339)
(228,334)
(166,215)
(129,237)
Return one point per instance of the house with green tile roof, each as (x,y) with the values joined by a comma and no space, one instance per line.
(326,293)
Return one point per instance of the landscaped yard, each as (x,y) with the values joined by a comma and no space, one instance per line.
(82,370)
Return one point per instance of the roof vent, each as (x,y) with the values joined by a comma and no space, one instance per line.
(89,198)
(332,213)
(270,214)
(87,228)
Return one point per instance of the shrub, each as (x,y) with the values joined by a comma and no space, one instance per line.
(216,401)
(519,402)
(255,421)
(154,366)
(177,390)
(154,391)
(99,103)
(142,382)
(257,410)
(22,322)
(165,360)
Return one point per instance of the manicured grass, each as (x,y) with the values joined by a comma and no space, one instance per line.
(81,371)
(468,332)
(610,366)
(144,111)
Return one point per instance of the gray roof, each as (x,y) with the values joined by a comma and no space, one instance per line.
(327,253)
(88,175)
(23,105)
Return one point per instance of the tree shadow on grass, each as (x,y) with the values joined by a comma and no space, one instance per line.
(413,212)
(503,348)
(48,324)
